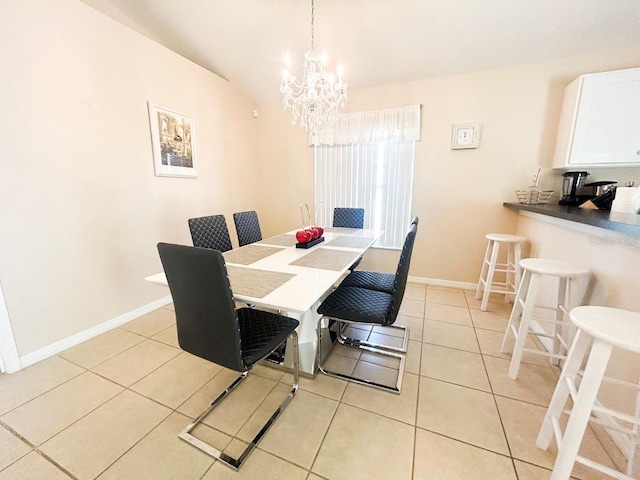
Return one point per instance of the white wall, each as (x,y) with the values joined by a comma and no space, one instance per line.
(81,208)
(458,194)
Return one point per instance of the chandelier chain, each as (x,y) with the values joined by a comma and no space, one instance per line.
(313,46)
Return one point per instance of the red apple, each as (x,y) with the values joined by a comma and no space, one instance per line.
(314,233)
(320,231)
(302,236)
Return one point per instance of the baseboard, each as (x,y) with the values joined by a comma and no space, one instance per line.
(436,282)
(73,340)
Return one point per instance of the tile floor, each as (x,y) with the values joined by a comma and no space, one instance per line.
(112,407)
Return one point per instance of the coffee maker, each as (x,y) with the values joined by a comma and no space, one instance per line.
(571,188)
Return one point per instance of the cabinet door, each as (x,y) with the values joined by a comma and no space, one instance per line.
(607,128)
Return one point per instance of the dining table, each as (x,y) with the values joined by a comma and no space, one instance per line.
(274,273)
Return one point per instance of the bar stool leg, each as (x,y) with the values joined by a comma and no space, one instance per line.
(492,268)
(578,349)
(510,275)
(483,271)
(563,286)
(593,373)
(516,311)
(525,321)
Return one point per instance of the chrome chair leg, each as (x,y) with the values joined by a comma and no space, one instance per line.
(354,342)
(236,463)
(363,381)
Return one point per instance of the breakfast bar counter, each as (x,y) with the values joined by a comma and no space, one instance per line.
(627,223)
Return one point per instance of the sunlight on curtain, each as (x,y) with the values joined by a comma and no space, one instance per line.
(366,161)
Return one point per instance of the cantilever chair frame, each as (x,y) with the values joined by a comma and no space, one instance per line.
(362,346)
(236,463)
(355,342)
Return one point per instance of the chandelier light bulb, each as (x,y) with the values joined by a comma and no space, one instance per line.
(287,60)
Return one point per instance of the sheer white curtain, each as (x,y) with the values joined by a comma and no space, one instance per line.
(366,161)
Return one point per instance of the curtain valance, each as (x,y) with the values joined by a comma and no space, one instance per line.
(393,124)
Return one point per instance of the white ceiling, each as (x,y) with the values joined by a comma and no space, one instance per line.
(377,41)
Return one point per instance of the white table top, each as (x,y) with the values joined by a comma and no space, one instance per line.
(309,284)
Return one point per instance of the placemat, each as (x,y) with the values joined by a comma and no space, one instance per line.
(342,230)
(249,253)
(284,240)
(350,242)
(327,259)
(255,283)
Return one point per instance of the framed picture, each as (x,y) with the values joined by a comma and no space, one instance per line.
(173,141)
(465,135)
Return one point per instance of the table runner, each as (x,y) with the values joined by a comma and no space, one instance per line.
(350,242)
(255,283)
(327,259)
(249,253)
(285,240)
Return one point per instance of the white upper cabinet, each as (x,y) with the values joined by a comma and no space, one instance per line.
(600,121)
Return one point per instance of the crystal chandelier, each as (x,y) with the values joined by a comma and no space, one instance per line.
(315,99)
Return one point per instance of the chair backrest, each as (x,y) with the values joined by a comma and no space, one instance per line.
(210,232)
(247,227)
(400,281)
(206,317)
(348,217)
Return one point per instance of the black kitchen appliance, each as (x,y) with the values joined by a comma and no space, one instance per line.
(572,187)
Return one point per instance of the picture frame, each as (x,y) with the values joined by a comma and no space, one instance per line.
(173,142)
(465,135)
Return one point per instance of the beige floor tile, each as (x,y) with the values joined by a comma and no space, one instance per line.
(490,343)
(260,465)
(415,291)
(376,373)
(140,360)
(438,457)
(345,351)
(330,387)
(447,296)
(380,359)
(11,448)
(170,306)
(386,339)
(412,308)
(413,323)
(412,361)
(535,383)
(454,366)
(264,370)
(161,455)
(20,387)
(496,302)
(237,407)
(400,407)
(168,336)
(152,323)
(340,363)
(448,313)
(176,380)
(101,348)
(50,413)
(526,471)
(306,417)
(450,335)
(490,320)
(522,422)
(33,467)
(461,413)
(90,445)
(363,445)
(313,476)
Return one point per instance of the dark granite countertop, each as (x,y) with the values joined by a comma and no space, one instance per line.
(628,223)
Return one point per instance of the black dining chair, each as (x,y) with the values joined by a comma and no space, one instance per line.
(364,306)
(382,282)
(210,232)
(247,227)
(210,327)
(348,217)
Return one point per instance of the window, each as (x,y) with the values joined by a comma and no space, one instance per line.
(366,161)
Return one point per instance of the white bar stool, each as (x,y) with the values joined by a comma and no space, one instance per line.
(534,269)
(490,266)
(603,328)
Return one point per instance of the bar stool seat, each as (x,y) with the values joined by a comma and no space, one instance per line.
(490,265)
(602,328)
(533,270)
